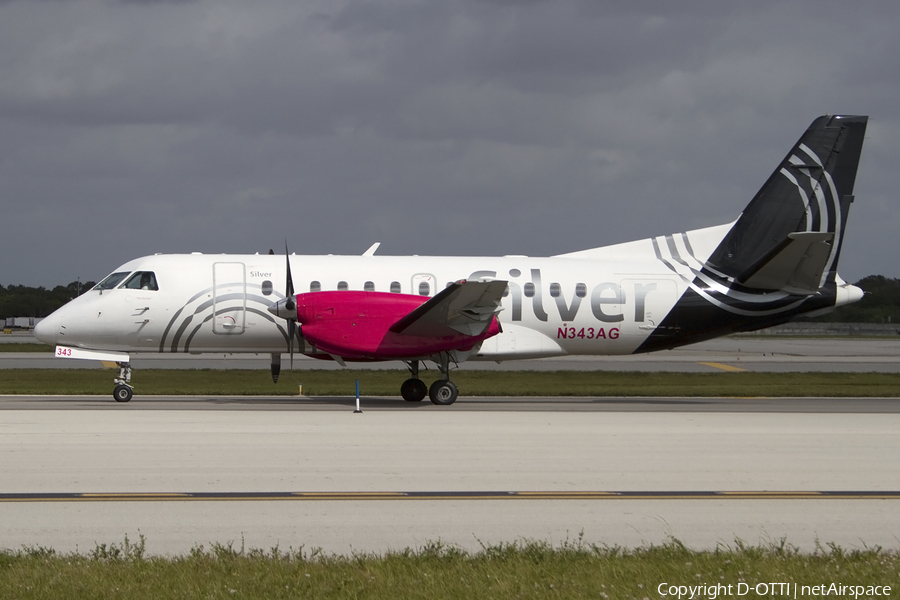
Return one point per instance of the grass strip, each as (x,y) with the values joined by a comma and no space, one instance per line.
(435,571)
(25,347)
(471,383)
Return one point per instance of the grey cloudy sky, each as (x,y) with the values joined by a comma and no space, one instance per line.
(452,127)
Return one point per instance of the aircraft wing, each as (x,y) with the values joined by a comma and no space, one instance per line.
(466,307)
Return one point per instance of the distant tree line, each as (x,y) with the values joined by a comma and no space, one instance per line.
(881,304)
(24,301)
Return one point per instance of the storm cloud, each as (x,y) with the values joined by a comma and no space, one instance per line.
(458,127)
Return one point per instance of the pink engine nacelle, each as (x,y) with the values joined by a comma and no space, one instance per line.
(356,325)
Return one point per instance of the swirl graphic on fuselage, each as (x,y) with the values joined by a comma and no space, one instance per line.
(190,319)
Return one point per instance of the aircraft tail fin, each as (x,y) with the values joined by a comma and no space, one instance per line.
(789,236)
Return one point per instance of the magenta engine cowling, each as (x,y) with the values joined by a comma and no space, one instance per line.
(357,325)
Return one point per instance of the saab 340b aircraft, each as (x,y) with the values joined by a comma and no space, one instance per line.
(777,261)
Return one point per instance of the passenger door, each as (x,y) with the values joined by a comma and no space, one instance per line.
(229,298)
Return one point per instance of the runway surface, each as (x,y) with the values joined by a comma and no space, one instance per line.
(463,404)
(764,353)
(290,472)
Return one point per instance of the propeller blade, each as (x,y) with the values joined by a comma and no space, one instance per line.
(276,366)
(292,327)
(290,303)
(286,309)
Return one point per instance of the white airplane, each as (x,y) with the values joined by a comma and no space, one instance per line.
(777,261)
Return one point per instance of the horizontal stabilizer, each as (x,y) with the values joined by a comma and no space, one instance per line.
(796,265)
(466,307)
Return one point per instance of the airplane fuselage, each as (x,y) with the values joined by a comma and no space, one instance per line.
(218,303)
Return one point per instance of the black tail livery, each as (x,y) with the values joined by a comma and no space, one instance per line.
(779,259)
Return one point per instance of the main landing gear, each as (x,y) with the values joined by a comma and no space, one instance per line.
(413,389)
(123,391)
(442,392)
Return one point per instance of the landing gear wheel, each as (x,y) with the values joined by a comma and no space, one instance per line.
(413,390)
(443,392)
(123,393)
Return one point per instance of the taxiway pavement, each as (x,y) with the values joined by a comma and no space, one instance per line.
(763,353)
(149,452)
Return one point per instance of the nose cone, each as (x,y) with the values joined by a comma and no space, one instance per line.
(47,331)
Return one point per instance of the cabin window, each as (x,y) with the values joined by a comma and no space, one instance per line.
(554,290)
(580,290)
(369,286)
(315,286)
(267,288)
(528,290)
(141,280)
(424,288)
(342,286)
(395,287)
(112,281)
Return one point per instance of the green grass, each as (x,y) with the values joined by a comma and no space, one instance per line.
(25,347)
(471,383)
(435,571)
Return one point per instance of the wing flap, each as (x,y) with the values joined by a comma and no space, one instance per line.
(466,307)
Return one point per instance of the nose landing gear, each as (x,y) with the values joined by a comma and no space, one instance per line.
(123,392)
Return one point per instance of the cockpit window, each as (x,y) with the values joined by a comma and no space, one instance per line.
(141,280)
(112,281)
